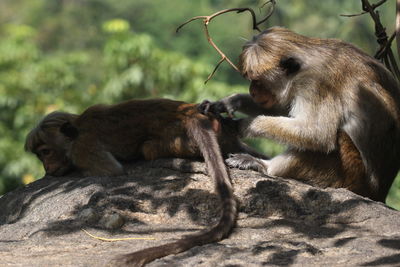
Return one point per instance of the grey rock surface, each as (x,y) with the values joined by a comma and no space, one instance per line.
(281,222)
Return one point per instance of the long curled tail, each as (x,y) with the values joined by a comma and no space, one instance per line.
(201,132)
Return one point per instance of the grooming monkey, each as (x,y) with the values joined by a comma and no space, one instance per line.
(102,137)
(332,105)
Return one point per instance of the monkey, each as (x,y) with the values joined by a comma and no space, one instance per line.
(103,137)
(333,106)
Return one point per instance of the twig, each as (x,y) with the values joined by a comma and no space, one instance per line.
(382,50)
(273,3)
(215,69)
(384,53)
(373,6)
(207,20)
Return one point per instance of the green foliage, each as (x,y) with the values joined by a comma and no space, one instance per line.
(34,82)
(67,55)
(393,199)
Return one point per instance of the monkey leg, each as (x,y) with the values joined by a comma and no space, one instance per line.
(323,170)
(316,168)
(319,169)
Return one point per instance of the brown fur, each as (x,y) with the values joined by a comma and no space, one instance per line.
(339,111)
(102,137)
(354,173)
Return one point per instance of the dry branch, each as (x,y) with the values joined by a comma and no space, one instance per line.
(384,53)
(207,20)
(373,6)
(271,11)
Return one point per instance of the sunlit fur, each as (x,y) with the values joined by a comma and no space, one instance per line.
(342,108)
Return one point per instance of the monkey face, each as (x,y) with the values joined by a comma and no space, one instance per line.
(263,97)
(274,86)
(271,62)
(55,161)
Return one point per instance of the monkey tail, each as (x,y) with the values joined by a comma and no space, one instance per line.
(201,131)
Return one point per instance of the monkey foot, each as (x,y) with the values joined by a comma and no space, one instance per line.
(246,162)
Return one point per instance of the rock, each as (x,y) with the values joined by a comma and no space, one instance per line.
(112,221)
(88,215)
(281,222)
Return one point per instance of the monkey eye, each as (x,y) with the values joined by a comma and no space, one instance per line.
(290,64)
(44,152)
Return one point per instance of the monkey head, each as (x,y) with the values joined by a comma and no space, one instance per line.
(55,161)
(50,141)
(271,61)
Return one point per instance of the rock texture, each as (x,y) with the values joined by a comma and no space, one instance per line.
(281,222)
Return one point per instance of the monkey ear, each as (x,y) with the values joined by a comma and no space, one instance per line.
(290,64)
(69,130)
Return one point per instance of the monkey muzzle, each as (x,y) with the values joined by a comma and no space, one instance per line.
(262,97)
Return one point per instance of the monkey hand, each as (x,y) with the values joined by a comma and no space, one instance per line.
(247,162)
(211,108)
(227,105)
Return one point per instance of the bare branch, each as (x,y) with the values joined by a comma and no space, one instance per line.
(373,6)
(384,53)
(207,20)
(353,15)
(380,31)
(223,56)
(382,50)
(188,21)
(271,11)
(215,69)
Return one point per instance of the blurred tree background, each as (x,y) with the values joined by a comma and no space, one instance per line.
(69,54)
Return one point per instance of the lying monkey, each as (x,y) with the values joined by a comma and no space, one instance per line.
(335,108)
(98,140)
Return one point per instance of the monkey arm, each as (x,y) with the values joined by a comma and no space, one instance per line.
(88,155)
(295,132)
(243,103)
